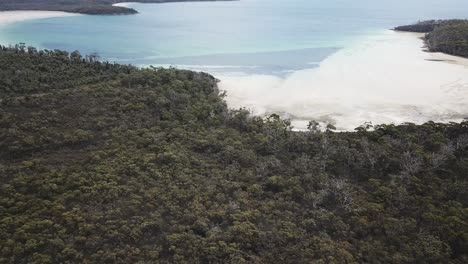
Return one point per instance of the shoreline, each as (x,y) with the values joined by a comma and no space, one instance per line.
(96,7)
(447,58)
(437,56)
(9,17)
(383,79)
(124,4)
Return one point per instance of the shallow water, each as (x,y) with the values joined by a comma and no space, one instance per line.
(267,54)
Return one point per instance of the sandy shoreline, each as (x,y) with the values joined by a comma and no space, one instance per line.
(124,4)
(8,17)
(386,78)
(439,56)
(442,57)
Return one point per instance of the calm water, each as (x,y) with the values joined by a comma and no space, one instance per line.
(261,36)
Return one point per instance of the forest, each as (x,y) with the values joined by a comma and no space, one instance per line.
(109,163)
(447,36)
(90,7)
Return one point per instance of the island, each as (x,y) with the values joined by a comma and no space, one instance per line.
(90,7)
(109,163)
(447,36)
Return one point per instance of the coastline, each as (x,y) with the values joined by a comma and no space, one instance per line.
(8,17)
(386,78)
(438,56)
(124,4)
(95,7)
(447,58)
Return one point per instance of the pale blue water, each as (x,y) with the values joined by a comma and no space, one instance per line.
(266,36)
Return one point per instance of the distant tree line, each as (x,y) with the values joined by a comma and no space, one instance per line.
(447,36)
(108,163)
(90,7)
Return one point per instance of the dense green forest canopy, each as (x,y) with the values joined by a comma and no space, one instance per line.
(92,7)
(447,36)
(107,163)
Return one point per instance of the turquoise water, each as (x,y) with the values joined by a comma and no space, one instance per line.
(266,36)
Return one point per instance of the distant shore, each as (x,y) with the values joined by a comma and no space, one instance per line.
(95,7)
(448,36)
(125,4)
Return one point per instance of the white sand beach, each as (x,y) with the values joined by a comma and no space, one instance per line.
(387,78)
(449,59)
(7,17)
(124,4)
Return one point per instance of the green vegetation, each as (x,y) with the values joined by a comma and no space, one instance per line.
(106,163)
(91,7)
(447,36)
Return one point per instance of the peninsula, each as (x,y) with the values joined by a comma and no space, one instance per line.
(447,36)
(90,7)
